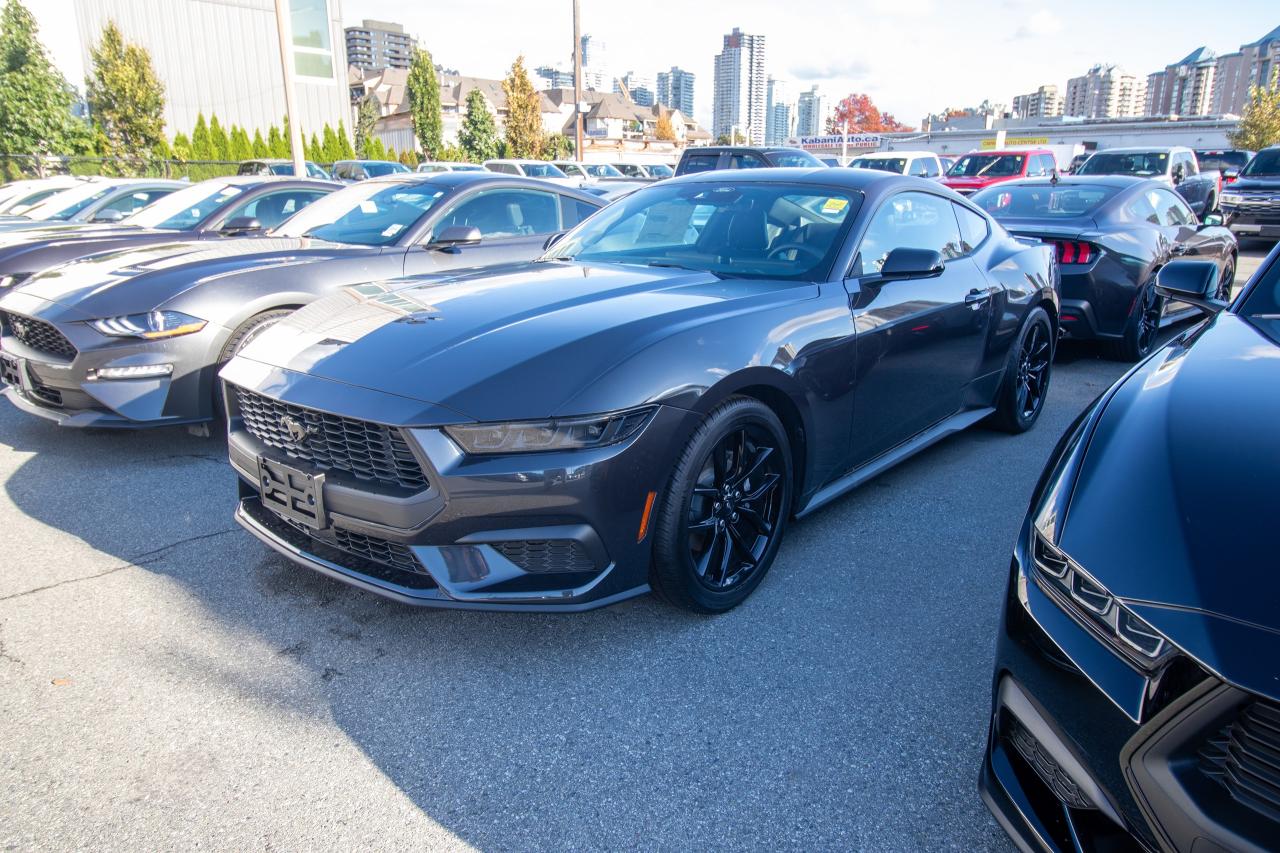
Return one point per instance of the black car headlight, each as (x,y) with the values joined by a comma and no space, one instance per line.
(1077,592)
(150,326)
(578,433)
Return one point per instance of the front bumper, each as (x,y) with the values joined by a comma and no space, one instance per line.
(1086,752)
(60,387)
(1247,222)
(534,531)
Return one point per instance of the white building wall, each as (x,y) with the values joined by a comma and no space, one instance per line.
(221,57)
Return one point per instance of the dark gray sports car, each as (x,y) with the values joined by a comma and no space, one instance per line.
(213,209)
(649,403)
(103,200)
(133,338)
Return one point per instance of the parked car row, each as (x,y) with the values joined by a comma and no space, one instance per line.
(476,390)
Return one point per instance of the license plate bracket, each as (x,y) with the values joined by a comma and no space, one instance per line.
(292,493)
(13,371)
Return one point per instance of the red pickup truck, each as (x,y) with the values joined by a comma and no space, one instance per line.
(980,169)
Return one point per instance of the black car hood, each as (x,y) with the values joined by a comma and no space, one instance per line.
(140,278)
(504,343)
(1178,498)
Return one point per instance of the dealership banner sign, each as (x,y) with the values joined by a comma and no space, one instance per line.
(836,140)
(1015,142)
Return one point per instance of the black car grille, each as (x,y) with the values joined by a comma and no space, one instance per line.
(1044,765)
(38,334)
(391,554)
(366,450)
(1244,757)
(546,555)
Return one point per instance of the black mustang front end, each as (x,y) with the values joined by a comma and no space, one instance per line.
(1136,696)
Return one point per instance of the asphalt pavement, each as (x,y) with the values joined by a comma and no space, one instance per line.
(166,681)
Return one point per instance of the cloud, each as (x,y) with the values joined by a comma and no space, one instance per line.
(836,69)
(1039,23)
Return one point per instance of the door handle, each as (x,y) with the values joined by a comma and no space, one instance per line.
(1179,250)
(976,295)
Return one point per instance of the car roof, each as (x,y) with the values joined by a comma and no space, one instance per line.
(1120,181)
(461,179)
(1141,149)
(863,180)
(897,154)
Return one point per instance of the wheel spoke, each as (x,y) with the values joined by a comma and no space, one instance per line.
(704,562)
(758,521)
(736,538)
(705,524)
(727,555)
(770,482)
(762,454)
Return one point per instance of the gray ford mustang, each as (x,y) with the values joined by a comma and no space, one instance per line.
(133,337)
(647,404)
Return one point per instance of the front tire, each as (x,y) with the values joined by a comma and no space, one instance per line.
(1026,375)
(240,338)
(1226,279)
(726,507)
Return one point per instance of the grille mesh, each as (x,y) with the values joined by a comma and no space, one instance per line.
(1062,785)
(363,449)
(391,554)
(546,555)
(38,334)
(1244,757)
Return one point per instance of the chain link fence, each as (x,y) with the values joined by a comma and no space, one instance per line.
(15,167)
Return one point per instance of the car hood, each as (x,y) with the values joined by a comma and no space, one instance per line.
(140,278)
(974,183)
(47,231)
(505,343)
(1260,183)
(1174,508)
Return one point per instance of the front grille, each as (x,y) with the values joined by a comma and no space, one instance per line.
(1244,757)
(38,334)
(391,554)
(366,450)
(1044,765)
(546,555)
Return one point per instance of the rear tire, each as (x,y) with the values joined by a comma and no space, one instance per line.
(1226,279)
(725,509)
(1141,330)
(1026,375)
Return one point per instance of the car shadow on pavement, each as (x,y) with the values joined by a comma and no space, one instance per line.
(843,705)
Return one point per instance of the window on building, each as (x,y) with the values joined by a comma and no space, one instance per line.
(312,46)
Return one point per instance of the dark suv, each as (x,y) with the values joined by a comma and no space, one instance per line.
(743,157)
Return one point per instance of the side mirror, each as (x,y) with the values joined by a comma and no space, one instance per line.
(108,215)
(1178,174)
(1193,282)
(903,263)
(240,225)
(456,235)
(1212,219)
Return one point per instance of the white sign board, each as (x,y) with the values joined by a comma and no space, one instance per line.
(835,140)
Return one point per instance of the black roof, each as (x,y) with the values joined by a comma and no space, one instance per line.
(454,180)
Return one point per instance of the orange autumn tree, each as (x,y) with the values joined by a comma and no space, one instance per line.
(858,114)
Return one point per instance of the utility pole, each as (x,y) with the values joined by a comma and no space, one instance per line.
(285,28)
(577,84)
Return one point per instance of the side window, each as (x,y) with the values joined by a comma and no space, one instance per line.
(1172,210)
(746,161)
(573,211)
(973,228)
(912,220)
(917,168)
(700,162)
(505,168)
(273,208)
(135,201)
(1034,169)
(1189,165)
(506,213)
(932,168)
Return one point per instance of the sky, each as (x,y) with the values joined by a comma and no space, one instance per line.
(913,57)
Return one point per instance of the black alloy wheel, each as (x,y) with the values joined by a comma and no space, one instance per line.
(1027,373)
(1226,279)
(1143,328)
(722,517)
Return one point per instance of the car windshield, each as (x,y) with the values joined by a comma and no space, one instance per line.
(542,170)
(186,208)
(66,204)
(987,166)
(737,230)
(1144,164)
(468,167)
(1262,308)
(1042,201)
(384,167)
(881,164)
(794,159)
(1222,160)
(1263,163)
(661,170)
(374,213)
(630,170)
(602,170)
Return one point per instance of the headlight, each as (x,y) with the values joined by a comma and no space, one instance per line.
(557,434)
(1231,198)
(150,326)
(1090,603)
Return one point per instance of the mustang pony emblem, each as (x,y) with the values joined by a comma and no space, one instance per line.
(296,429)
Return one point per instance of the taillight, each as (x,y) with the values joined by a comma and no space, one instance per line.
(1074,252)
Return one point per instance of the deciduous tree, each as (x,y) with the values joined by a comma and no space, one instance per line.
(478,136)
(664,129)
(524,113)
(858,114)
(1260,122)
(423,91)
(126,99)
(35,100)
